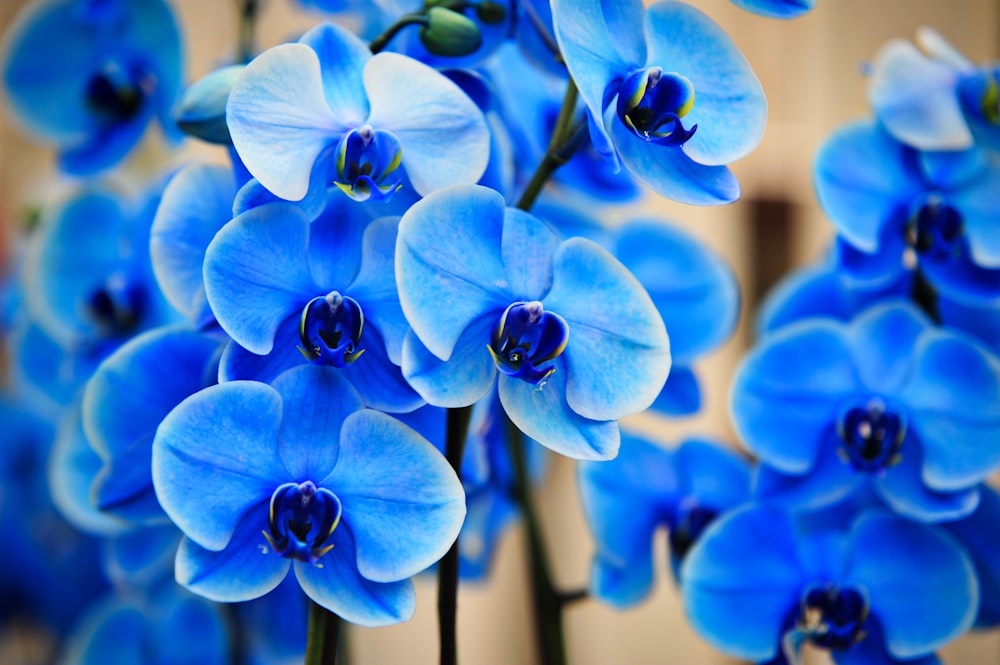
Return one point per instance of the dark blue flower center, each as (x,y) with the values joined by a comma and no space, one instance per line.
(526,337)
(935,228)
(301,520)
(689,522)
(872,436)
(330,330)
(833,617)
(363,160)
(115,94)
(651,103)
(117,306)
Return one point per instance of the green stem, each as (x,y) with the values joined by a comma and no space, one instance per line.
(383,40)
(547,602)
(321,638)
(556,154)
(248,19)
(455,436)
(923,294)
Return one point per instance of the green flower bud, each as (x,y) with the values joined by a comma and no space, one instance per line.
(449,33)
(202,109)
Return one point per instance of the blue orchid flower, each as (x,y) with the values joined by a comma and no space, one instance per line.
(979,534)
(933,97)
(694,291)
(357,500)
(889,402)
(785,9)
(486,289)
(290,291)
(629,498)
(327,106)
(667,91)
(895,207)
(886,590)
(118,65)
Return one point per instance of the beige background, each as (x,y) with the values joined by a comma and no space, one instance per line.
(810,69)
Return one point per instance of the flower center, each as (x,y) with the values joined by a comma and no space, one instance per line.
(872,436)
(117,306)
(301,519)
(364,159)
(688,524)
(115,95)
(833,617)
(330,330)
(652,103)
(526,337)
(935,228)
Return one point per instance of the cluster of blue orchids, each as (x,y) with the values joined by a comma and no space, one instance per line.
(252,398)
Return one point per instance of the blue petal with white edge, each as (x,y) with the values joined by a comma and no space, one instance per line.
(618,354)
(204,481)
(380,381)
(729,105)
(882,340)
(980,209)
(784,9)
(681,394)
(375,286)
(402,500)
(622,586)
(195,205)
(341,588)
(257,273)
(828,481)
(861,175)
(443,134)
(462,380)
(715,476)
(746,565)
(448,265)
(921,585)
(543,414)
(342,58)
(787,391)
(279,118)
(241,571)
(527,249)
(954,397)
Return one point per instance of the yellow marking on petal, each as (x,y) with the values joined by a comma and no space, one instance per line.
(990,102)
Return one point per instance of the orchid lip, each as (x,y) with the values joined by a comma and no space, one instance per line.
(301,519)
(872,435)
(526,337)
(832,616)
(651,104)
(330,330)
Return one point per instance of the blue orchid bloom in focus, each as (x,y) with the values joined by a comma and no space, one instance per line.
(118,64)
(327,110)
(576,340)
(305,474)
(896,208)
(629,498)
(667,91)
(889,403)
(933,97)
(290,291)
(760,584)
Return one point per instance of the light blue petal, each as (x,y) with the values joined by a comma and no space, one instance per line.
(921,585)
(195,205)
(980,209)
(916,99)
(787,392)
(618,354)
(746,566)
(681,394)
(882,340)
(442,133)
(257,273)
(340,588)
(527,250)
(241,571)
(238,363)
(279,118)
(379,381)
(861,176)
(670,172)
(336,241)
(729,106)
(954,403)
(342,58)
(315,402)
(621,587)
(402,500)
(595,63)
(206,481)
(464,379)
(693,288)
(830,480)
(543,414)
(375,286)
(784,9)
(448,265)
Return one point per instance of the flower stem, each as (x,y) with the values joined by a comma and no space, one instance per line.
(562,144)
(547,602)
(924,296)
(383,40)
(248,19)
(321,638)
(456,433)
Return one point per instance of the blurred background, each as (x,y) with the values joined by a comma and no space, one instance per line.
(811,69)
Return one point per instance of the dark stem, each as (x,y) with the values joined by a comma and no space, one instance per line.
(543,32)
(321,639)
(922,293)
(456,433)
(248,19)
(547,602)
(383,40)
(558,152)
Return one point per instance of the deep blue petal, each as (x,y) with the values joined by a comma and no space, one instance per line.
(784,9)
(828,481)
(882,342)
(979,534)
(342,58)
(622,586)
(681,394)
(379,381)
